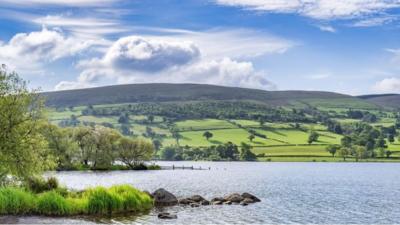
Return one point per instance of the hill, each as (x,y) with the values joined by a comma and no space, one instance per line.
(161,92)
(383,100)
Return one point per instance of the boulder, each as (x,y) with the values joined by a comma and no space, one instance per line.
(248,201)
(218,199)
(234,198)
(197,198)
(166,215)
(185,201)
(250,196)
(217,203)
(228,203)
(164,198)
(205,202)
(194,205)
(243,204)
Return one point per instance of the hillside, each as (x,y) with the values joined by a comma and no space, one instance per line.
(384,100)
(133,93)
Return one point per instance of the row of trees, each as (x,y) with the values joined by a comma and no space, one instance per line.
(222,152)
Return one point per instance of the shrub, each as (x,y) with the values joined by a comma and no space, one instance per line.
(16,201)
(39,185)
(52,204)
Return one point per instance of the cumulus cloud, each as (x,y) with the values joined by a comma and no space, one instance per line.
(41,46)
(142,60)
(147,55)
(387,85)
(317,9)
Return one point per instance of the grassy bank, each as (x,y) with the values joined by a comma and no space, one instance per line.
(94,201)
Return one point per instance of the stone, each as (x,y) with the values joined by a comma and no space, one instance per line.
(243,204)
(205,202)
(164,198)
(194,205)
(250,196)
(228,203)
(248,201)
(166,215)
(217,203)
(197,198)
(218,199)
(234,198)
(185,201)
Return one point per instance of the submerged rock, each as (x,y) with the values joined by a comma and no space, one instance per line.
(250,196)
(185,201)
(217,202)
(197,198)
(247,201)
(205,202)
(166,215)
(164,198)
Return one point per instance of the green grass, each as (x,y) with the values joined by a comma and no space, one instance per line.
(97,201)
(204,124)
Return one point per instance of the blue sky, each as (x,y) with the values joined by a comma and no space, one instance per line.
(347,46)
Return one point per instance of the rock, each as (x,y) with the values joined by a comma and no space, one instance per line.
(166,215)
(234,198)
(217,203)
(228,203)
(194,205)
(205,202)
(185,201)
(218,199)
(197,198)
(250,196)
(243,204)
(248,201)
(164,198)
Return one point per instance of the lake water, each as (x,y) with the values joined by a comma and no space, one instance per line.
(318,193)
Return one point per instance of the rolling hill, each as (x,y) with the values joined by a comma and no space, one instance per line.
(383,100)
(162,92)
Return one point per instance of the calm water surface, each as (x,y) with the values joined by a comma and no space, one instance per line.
(318,193)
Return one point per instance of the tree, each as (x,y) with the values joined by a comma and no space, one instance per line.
(344,152)
(391,138)
(126,130)
(150,118)
(84,137)
(169,153)
(261,121)
(332,149)
(176,135)
(105,146)
(359,152)
(123,118)
(133,152)
(207,135)
(23,151)
(312,137)
(246,154)
(346,141)
(157,144)
(251,137)
(61,144)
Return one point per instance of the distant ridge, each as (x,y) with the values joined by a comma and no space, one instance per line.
(383,100)
(164,92)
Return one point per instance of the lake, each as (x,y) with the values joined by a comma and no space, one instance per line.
(318,193)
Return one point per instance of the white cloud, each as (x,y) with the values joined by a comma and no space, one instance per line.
(142,60)
(67,85)
(387,85)
(26,50)
(375,21)
(317,9)
(327,28)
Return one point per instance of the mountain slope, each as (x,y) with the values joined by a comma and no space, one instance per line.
(159,92)
(383,100)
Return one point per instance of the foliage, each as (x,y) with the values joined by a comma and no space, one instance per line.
(23,151)
(133,152)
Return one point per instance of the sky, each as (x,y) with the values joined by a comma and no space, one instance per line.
(346,46)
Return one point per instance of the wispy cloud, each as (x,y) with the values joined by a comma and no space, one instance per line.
(70,3)
(319,9)
(327,28)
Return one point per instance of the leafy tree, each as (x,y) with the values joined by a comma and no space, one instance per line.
(62,145)
(126,130)
(157,144)
(169,153)
(346,141)
(133,152)
(123,118)
(261,121)
(388,153)
(23,151)
(105,145)
(176,135)
(207,135)
(246,154)
(344,152)
(391,138)
(84,137)
(150,118)
(359,152)
(251,137)
(312,137)
(332,149)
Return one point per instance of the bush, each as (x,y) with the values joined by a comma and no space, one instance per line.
(40,185)
(52,204)
(16,201)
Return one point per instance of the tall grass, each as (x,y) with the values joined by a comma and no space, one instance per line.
(98,201)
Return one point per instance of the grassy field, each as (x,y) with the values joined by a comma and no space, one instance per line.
(284,141)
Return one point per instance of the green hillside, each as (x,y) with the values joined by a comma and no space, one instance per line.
(135,93)
(384,100)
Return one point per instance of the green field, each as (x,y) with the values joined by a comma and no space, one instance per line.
(284,141)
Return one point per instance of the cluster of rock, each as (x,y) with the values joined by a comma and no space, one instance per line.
(164,198)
